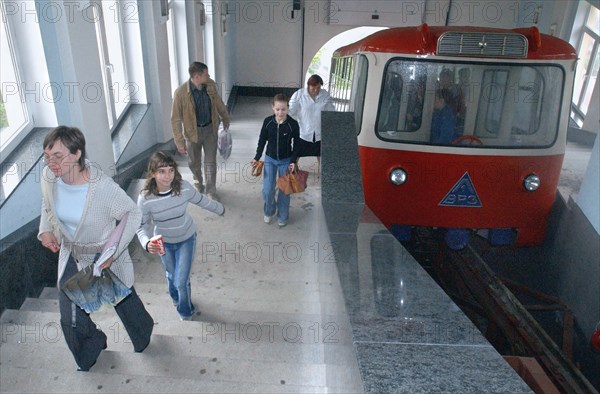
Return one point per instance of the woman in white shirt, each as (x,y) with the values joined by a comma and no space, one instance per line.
(306,106)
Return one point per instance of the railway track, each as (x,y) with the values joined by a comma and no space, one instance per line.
(501,317)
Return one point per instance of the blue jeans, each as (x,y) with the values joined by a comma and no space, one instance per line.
(271,170)
(178,265)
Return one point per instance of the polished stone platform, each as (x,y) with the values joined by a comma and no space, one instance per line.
(408,335)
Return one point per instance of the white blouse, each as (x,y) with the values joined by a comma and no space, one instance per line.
(70,200)
(308,112)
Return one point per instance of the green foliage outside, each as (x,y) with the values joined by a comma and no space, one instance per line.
(3,118)
(315,62)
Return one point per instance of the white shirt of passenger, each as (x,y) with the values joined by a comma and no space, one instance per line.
(307,111)
(70,200)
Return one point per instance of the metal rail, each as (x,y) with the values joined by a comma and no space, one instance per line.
(515,322)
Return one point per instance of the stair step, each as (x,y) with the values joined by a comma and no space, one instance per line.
(284,352)
(19,380)
(40,305)
(153,272)
(187,357)
(282,330)
(155,363)
(217,288)
(218,321)
(49,293)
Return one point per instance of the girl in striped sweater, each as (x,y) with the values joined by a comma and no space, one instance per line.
(163,202)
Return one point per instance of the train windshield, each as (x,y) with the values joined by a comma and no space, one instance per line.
(498,105)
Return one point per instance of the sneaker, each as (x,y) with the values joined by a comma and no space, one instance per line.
(213,196)
(199,186)
(281,224)
(267,219)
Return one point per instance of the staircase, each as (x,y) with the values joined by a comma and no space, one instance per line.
(272,316)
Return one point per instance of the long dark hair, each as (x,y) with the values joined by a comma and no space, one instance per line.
(158,160)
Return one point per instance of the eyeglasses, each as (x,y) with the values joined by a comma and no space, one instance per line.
(55,158)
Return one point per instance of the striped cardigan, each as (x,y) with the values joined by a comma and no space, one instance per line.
(105,204)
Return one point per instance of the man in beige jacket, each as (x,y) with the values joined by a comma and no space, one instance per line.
(197,111)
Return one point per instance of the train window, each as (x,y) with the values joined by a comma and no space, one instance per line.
(402,98)
(358,100)
(476,105)
(491,102)
(528,112)
(390,102)
(518,107)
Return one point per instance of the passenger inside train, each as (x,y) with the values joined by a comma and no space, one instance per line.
(443,119)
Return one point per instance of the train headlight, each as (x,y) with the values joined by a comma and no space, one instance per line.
(398,176)
(531,182)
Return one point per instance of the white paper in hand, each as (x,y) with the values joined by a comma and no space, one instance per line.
(111,245)
(106,254)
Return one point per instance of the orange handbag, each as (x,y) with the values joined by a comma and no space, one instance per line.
(292,182)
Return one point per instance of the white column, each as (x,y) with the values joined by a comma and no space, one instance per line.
(69,38)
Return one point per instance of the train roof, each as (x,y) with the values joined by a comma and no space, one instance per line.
(423,40)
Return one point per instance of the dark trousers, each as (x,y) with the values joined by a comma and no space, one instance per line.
(85,340)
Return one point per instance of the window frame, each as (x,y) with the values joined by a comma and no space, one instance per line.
(17,133)
(114,98)
(519,139)
(578,113)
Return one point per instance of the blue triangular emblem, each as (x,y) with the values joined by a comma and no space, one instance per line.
(462,194)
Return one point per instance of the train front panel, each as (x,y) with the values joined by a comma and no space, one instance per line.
(473,192)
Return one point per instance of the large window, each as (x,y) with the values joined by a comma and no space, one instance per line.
(478,105)
(172,40)
(587,67)
(111,15)
(13,112)
(348,84)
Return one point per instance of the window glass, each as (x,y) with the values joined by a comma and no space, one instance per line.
(491,102)
(390,101)
(529,92)
(340,84)
(586,53)
(588,64)
(593,20)
(359,91)
(474,105)
(13,114)
(110,15)
(172,41)
(348,85)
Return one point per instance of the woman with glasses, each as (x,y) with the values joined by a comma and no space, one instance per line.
(80,209)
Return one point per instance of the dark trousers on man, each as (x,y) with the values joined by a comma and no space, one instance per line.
(85,340)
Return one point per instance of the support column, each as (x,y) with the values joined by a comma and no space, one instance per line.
(70,44)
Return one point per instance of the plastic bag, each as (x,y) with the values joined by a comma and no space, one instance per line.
(92,292)
(224,142)
(90,288)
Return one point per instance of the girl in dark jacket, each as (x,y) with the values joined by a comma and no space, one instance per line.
(280,133)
